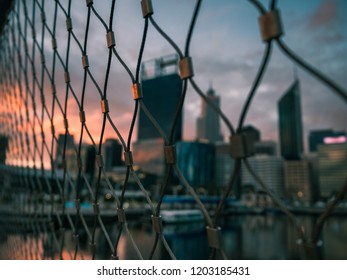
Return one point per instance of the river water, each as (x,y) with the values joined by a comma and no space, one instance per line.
(269,237)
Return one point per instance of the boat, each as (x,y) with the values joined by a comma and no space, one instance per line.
(181,215)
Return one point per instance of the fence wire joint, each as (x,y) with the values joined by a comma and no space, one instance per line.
(242,145)
(128,158)
(186,68)
(121,215)
(104,106)
(100,161)
(68,24)
(157,224)
(270,25)
(170,154)
(89,2)
(214,237)
(85,61)
(111,41)
(147,8)
(137,91)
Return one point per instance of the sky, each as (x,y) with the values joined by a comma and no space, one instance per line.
(226,49)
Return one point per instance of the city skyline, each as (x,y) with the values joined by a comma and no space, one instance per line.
(231,46)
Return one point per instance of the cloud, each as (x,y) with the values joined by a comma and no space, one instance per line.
(322,27)
(324,15)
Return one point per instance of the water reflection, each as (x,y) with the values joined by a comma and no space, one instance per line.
(244,237)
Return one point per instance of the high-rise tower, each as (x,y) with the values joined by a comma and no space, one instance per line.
(162,90)
(290,123)
(3,148)
(112,151)
(208,125)
(161,94)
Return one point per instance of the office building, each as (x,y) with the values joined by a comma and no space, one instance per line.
(298,180)
(325,136)
(162,89)
(332,161)
(266,148)
(88,156)
(149,156)
(208,124)
(3,148)
(252,132)
(70,153)
(269,169)
(112,152)
(290,123)
(196,161)
(224,165)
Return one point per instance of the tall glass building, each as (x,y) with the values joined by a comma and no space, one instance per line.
(208,124)
(112,151)
(332,168)
(3,148)
(290,123)
(196,161)
(162,90)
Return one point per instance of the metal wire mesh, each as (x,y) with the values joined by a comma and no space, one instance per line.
(40,88)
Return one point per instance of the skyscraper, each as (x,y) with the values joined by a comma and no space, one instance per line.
(290,123)
(88,154)
(298,180)
(3,148)
(317,137)
(161,94)
(332,168)
(112,151)
(196,160)
(162,90)
(208,125)
(224,164)
(70,153)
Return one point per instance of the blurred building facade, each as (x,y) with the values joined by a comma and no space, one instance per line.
(223,165)
(149,156)
(67,143)
(290,123)
(253,132)
(162,89)
(208,124)
(269,169)
(332,160)
(325,136)
(266,148)
(298,180)
(196,161)
(112,151)
(3,148)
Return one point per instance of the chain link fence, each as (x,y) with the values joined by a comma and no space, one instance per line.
(41,87)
